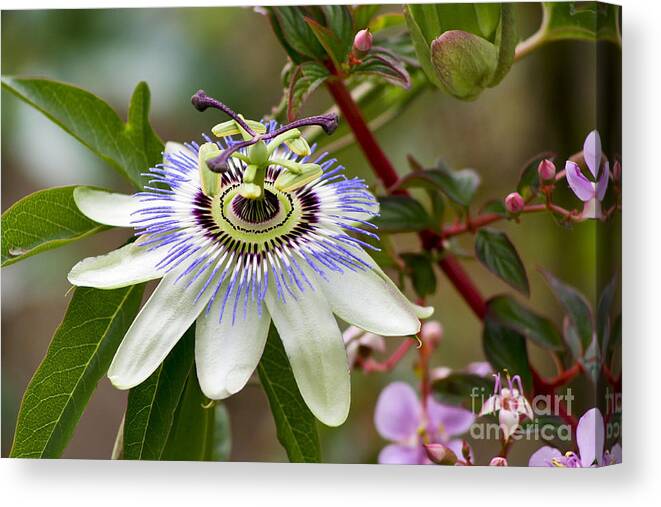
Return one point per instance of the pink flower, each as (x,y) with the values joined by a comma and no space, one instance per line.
(590,192)
(399,418)
(363,41)
(590,442)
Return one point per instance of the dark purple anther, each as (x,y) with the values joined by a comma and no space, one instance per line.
(201,101)
(328,122)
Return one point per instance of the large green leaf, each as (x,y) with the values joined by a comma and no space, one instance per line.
(296,426)
(77,358)
(495,250)
(506,349)
(130,148)
(510,313)
(401,213)
(576,305)
(192,435)
(153,405)
(42,221)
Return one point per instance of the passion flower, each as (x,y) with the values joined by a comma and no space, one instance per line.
(252,228)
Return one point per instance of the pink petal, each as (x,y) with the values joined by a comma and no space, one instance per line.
(454,420)
(544,457)
(592,152)
(582,187)
(602,183)
(590,437)
(401,455)
(397,414)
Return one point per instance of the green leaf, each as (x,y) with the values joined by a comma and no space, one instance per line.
(294,34)
(462,389)
(528,185)
(296,426)
(604,307)
(571,339)
(459,186)
(494,249)
(401,213)
(362,14)
(77,358)
(153,405)
(384,64)
(191,437)
(130,148)
(422,273)
(304,80)
(510,313)
(575,304)
(336,36)
(506,349)
(42,221)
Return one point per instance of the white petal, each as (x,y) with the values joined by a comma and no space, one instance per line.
(107,208)
(172,148)
(128,265)
(163,320)
(370,300)
(315,349)
(226,352)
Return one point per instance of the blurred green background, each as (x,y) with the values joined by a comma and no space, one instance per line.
(547,102)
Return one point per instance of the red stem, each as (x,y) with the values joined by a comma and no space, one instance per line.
(370,365)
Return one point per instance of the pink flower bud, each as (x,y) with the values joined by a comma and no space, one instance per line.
(617,171)
(431,333)
(498,462)
(363,41)
(546,170)
(514,203)
(440,454)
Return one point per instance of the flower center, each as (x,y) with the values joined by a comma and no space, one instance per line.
(256,211)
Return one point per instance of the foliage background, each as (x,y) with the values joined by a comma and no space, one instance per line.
(546,102)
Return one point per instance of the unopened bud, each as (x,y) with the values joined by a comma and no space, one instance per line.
(617,171)
(514,203)
(363,41)
(546,170)
(432,333)
(439,454)
(466,451)
(498,461)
